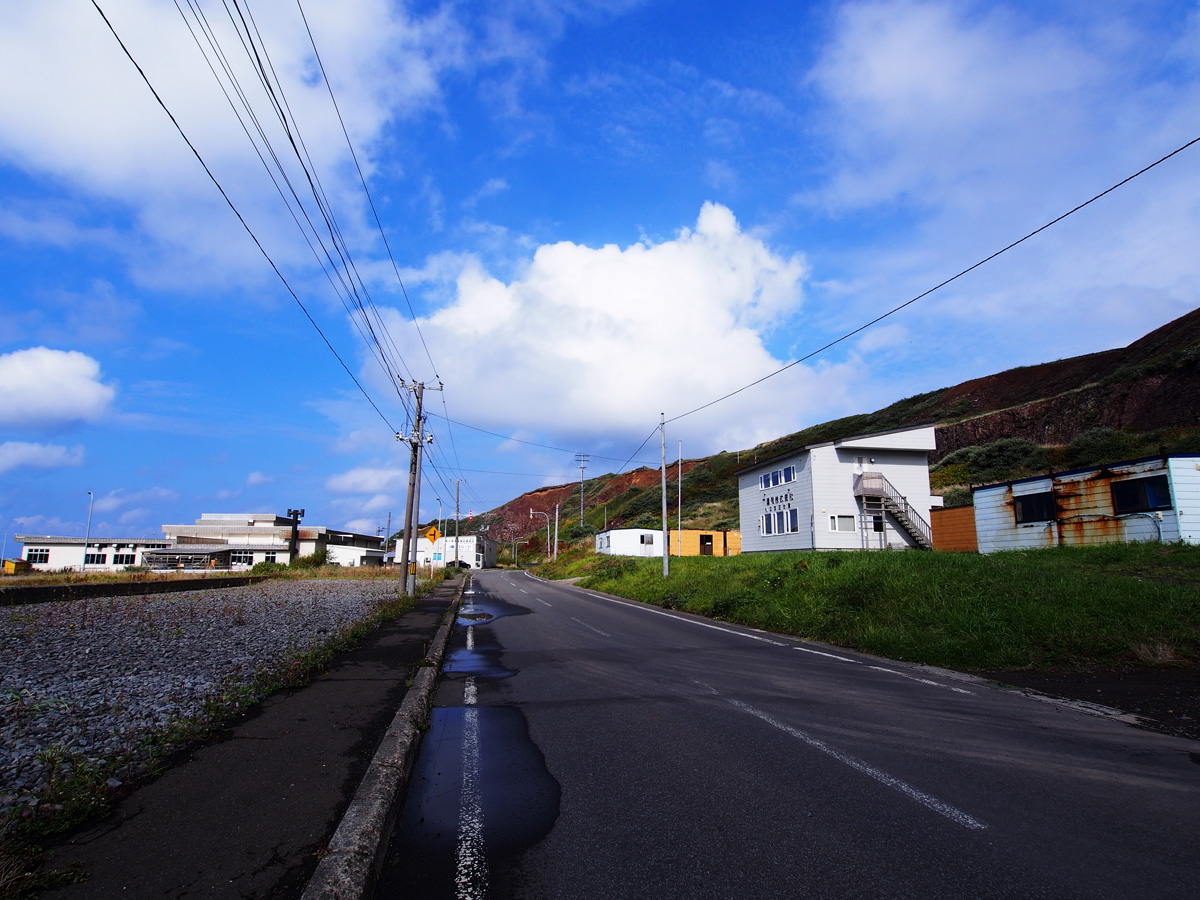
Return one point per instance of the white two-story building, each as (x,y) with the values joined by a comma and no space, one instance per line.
(869,492)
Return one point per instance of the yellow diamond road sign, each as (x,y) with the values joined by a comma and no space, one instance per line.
(433,534)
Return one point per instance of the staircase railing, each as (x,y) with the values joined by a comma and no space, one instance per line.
(875,484)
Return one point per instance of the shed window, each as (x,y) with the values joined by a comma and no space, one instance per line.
(1141,495)
(647,538)
(1034,507)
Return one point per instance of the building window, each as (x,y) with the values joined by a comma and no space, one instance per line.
(768,480)
(269,556)
(784,522)
(37,555)
(793,520)
(1141,495)
(877,524)
(241,557)
(95,559)
(1034,507)
(841,523)
(647,538)
(124,559)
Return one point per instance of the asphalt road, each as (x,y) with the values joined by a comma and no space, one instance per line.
(584,746)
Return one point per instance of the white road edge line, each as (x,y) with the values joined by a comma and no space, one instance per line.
(945,809)
(922,680)
(543,602)
(659,612)
(470,858)
(592,627)
(830,655)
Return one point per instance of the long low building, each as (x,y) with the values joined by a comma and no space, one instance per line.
(648,542)
(234,541)
(1151,499)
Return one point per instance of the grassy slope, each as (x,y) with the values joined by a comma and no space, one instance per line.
(1061,607)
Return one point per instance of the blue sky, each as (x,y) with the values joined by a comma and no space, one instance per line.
(600,211)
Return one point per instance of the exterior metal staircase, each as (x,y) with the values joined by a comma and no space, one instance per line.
(873,486)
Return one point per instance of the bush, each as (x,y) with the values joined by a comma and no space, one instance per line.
(312,561)
(267,568)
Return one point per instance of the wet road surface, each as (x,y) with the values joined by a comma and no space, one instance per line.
(584,746)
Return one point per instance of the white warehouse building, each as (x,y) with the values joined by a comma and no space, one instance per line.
(478,551)
(869,492)
(630,542)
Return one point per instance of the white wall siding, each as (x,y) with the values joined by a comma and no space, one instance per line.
(754,502)
(1185,494)
(646,542)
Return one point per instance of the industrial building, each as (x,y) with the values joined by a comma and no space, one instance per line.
(1151,499)
(869,492)
(214,541)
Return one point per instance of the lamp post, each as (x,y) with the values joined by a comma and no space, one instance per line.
(532,511)
(87,535)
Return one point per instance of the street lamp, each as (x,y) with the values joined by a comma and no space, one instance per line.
(87,534)
(547,515)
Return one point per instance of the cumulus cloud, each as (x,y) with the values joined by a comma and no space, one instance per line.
(16,454)
(588,340)
(256,478)
(41,386)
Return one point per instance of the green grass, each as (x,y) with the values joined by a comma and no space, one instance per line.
(1137,603)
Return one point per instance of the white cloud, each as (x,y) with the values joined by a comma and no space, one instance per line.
(73,107)
(364,480)
(15,454)
(46,525)
(51,387)
(114,500)
(256,478)
(592,340)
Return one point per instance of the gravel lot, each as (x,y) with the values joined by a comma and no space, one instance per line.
(96,677)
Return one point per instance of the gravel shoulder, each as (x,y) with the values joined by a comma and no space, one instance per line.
(92,680)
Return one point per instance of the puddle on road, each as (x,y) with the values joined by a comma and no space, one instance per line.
(520,801)
(518,797)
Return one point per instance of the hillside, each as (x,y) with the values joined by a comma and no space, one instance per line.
(1132,401)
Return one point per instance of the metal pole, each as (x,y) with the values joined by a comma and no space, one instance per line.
(679,549)
(547,515)
(666,528)
(582,459)
(87,535)
(412,487)
(387,537)
(456,484)
(556,531)
(421,439)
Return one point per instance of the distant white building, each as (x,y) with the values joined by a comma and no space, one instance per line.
(868,492)
(630,542)
(214,541)
(53,553)
(1151,499)
(478,551)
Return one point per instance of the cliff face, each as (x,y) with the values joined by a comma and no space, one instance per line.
(1158,401)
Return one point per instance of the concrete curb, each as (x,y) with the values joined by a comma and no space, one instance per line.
(351,867)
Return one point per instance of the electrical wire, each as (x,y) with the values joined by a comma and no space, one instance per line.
(236,212)
(939,286)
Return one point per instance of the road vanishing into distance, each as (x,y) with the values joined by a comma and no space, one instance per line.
(584,746)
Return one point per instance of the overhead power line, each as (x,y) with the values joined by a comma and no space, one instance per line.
(937,287)
(237,213)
